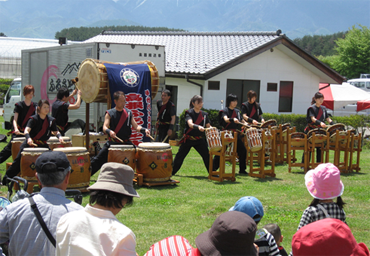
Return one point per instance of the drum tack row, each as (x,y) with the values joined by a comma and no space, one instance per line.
(152,160)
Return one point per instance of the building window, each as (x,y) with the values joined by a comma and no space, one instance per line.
(144,54)
(285,96)
(140,54)
(213,85)
(272,87)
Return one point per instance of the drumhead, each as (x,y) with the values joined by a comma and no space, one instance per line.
(19,139)
(71,149)
(154,145)
(55,139)
(121,146)
(88,80)
(37,149)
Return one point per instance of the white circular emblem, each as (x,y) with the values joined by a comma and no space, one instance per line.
(129,77)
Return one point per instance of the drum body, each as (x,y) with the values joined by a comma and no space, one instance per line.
(298,139)
(123,154)
(28,162)
(228,136)
(213,139)
(319,133)
(53,142)
(271,122)
(154,161)
(93,79)
(79,160)
(16,145)
(254,139)
(332,128)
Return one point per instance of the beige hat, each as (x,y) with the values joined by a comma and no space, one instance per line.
(117,178)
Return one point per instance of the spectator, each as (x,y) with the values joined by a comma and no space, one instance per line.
(95,230)
(327,237)
(253,208)
(172,246)
(275,231)
(324,184)
(232,233)
(18,222)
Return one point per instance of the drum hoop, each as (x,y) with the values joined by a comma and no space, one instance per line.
(122,149)
(156,150)
(18,139)
(80,153)
(71,150)
(95,74)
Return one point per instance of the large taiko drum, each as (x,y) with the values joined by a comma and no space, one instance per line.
(53,142)
(93,79)
(154,161)
(123,154)
(254,139)
(213,139)
(79,160)
(28,162)
(16,145)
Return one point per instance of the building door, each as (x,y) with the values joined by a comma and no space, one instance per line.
(241,88)
(285,96)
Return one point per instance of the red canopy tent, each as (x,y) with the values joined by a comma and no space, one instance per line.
(363,104)
(328,96)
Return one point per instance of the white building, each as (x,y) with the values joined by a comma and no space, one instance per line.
(215,64)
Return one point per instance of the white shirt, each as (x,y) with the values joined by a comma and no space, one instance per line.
(19,224)
(93,231)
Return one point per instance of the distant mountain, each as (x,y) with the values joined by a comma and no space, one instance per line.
(296,18)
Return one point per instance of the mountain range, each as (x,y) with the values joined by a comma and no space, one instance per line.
(296,18)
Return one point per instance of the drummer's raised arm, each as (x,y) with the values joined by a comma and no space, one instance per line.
(78,102)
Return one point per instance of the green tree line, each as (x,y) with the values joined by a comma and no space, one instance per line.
(84,33)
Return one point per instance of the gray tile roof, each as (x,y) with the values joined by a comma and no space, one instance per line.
(194,52)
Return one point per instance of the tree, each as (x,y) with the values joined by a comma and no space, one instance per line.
(354,53)
(2,34)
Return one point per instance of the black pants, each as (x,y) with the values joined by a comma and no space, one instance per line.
(162,132)
(318,152)
(7,151)
(97,162)
(242,154)
(200,146)
(15,168)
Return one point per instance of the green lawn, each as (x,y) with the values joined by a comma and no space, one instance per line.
(189,208)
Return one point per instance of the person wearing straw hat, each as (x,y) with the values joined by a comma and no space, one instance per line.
(330,237)
(117,125)
(95,230)
(324,184)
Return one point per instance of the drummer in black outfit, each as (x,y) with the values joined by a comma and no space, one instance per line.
(37,132)
(23,110)
(166,116)
(195,122)
(117,124)
(229,119)
(61,106)
(251,110)
(316,116)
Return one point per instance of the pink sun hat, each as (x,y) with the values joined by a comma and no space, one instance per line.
(324,182)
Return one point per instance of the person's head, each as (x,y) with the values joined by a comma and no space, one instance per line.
(250,206)
(179,246)
(113,188)
(119,99)
(324,182)
(331,237)
(29,89)
(318,98)
(166,95)
(62,92)
(43,107)
(231,100)
(196,100)
(232,233)
(252,96)
(52,169)
(275,231)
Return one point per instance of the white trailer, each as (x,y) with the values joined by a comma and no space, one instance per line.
(47,69)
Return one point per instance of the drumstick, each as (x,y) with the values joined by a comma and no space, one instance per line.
(165,139)
(21,133)
(118,139)
(151,137)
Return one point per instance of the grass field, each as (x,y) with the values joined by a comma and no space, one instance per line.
(189,208)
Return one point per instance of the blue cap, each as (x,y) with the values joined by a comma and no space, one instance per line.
(250,206)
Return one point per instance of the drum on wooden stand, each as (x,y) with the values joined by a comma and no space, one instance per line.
(123,154)
(253,139)
(319,133)
(213,139)
(28,162)
(154,161)
(93,79)
(268,123)
(53,142)
(16,146)
(79,159)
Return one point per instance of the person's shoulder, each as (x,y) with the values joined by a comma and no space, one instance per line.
(245,103)
(204,112)
(171,103)
(51,118)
